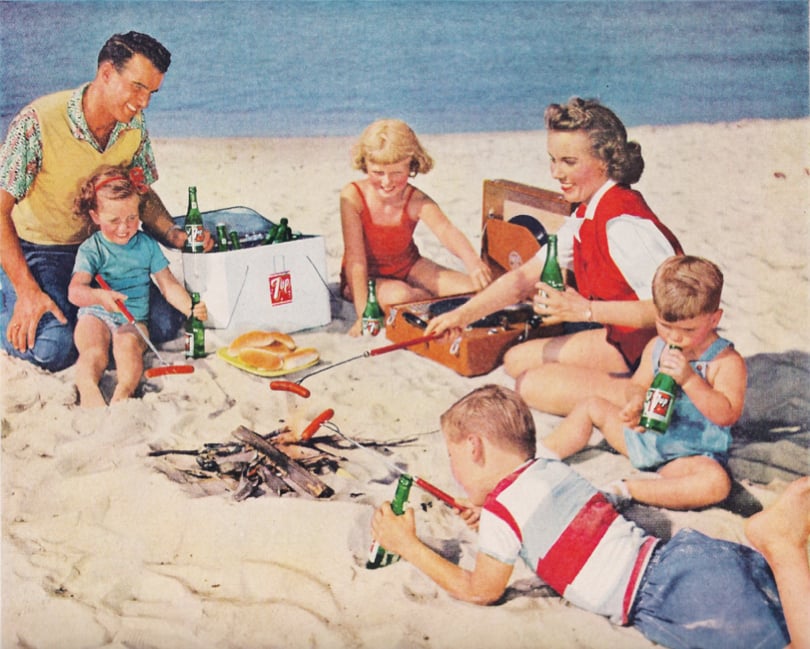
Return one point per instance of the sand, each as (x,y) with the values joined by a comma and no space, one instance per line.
(101,549)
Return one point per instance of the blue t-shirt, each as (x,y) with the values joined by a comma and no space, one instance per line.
(126,268)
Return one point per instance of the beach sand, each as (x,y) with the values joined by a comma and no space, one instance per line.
(101,549)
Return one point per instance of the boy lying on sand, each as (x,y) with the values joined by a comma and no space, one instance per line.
(542,511)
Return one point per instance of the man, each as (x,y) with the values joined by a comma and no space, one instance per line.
(52,145)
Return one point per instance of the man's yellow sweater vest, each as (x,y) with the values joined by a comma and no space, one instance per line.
(45,215)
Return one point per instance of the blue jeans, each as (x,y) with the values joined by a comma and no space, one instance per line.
(53,350)
(703,592)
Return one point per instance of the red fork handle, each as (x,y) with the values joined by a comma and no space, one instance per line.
(402,345)
(103,284)
(441,495)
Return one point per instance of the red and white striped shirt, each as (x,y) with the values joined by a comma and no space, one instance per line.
(569,534)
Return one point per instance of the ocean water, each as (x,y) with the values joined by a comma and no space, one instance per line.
(311,68)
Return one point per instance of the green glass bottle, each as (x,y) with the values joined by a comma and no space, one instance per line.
(283,232)
(373,319)
(552,275)
(195,332)
(193,224)
(235,243)
(222,237)
(659,402)
(378,556)
(270,237)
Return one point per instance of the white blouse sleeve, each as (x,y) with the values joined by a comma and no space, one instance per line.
(637,247)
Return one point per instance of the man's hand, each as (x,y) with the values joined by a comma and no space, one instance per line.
(28,311)
(176,238)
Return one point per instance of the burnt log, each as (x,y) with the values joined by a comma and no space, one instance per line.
(285,466)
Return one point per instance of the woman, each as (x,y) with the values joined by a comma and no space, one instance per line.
(613,243)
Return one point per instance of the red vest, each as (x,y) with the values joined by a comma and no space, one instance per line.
(598,277)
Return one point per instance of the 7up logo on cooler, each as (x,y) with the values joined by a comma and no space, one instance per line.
(280,288)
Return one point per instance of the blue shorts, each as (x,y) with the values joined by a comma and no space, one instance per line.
(703,592)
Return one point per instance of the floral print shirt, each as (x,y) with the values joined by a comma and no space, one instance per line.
(21,153)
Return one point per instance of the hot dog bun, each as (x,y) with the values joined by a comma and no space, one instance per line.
(300,357)
(258,339)
(261,358)
(277,348)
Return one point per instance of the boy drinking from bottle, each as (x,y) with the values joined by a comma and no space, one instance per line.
(690,456)
(539,509)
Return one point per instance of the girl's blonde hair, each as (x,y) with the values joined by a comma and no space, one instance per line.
(388,141)
(685,287)
(495,413)
(114,182)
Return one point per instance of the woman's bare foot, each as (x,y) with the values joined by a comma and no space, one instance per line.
(785,524)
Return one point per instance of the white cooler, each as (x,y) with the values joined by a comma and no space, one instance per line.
(280,286)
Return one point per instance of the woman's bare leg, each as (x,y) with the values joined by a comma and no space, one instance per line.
(780,533)
(553,374)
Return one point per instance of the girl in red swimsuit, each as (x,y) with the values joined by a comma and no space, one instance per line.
(379,215)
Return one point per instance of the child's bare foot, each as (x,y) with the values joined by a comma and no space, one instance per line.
(121,395)
(90,396)
(785,524)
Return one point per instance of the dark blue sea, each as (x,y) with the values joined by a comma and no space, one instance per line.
(311,68)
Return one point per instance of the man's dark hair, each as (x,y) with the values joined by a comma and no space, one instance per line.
(120,48)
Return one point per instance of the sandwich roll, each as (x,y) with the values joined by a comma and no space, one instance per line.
(262,359)
(300,357)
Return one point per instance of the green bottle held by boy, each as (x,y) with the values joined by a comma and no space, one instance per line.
(378,556)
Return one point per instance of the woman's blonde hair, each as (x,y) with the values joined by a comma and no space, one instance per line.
(495,413)
(388,141)
(685,287)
